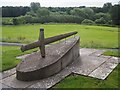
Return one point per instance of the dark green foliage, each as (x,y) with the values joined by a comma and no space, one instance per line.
(107,15)
(107,7)
(88,22)
(15,21)
(102,18)
(115,14)
(43,12)
(100,21)
(34,6)
(85,13)
(7,21)
(10,11)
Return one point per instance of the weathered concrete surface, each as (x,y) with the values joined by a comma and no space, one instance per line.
(97,53)
(88,65)
(86,52)
(51,81)
(58,56)
(22,57)
(103,71)
(8,73)
(11,81)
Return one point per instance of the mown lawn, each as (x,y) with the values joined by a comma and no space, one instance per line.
(9,54)
(87,82)
(91,36)
(112,53)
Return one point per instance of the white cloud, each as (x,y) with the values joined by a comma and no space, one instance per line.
(57,3)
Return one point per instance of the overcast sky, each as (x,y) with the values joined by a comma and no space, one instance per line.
(58,3)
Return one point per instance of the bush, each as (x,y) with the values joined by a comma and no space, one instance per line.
(88,22)
(100,21)
(7,21)
(15,21)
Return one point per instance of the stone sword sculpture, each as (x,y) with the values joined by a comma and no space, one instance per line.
(42,41)
(49,61)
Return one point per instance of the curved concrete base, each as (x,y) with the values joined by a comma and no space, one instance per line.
(58,56)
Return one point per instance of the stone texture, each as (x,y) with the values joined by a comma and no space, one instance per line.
(86,52)
(58,56)
(113,60)
(87,64)
(22,57)
(8,73)
(0,86)
(97,53)
(103,71)
(49,82)
(14,83)
(90,63)
(5,86)
(107,57)
(0,75)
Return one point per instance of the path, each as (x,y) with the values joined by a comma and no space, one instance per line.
(10,44)
(91,63)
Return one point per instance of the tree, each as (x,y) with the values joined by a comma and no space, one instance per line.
(15,21)
(78,12)
(106,16)
(107,7)
(115,14)
(34,6)
(43,12)
(100,21)
(88,22)
(88,12)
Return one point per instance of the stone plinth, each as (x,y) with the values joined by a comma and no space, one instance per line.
(58,56)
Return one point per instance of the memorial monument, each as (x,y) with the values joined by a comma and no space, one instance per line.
(50,60)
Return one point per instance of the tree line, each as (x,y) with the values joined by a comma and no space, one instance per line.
(10,11)
(107,15)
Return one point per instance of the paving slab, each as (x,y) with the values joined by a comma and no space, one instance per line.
(113,60)
(87,52)
(103,56)
(116,58)
(5,86)
(103,71)
(97,53)
(49,82)
(11,81)
(8,73)
(0,86)
(88,64)
(0,75)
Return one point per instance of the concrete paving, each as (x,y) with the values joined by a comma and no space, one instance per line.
(90,63)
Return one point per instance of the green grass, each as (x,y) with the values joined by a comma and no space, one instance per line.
(91,36)
(87,82)
(9,54)
(112,53)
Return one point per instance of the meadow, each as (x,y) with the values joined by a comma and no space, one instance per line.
(91,36)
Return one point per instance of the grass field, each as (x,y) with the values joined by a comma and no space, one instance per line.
(9,54)
(91,36)
(112,53)
(87,82)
